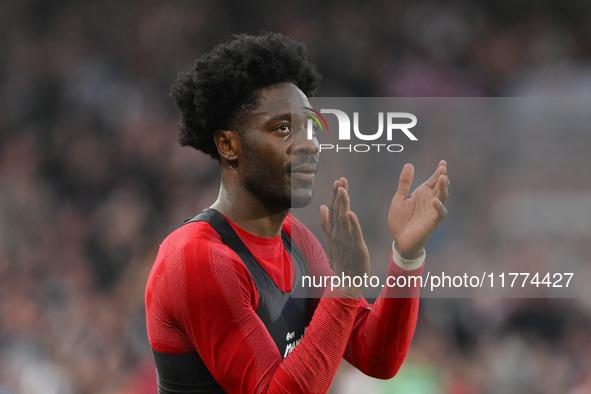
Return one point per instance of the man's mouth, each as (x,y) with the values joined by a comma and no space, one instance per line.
(307,171)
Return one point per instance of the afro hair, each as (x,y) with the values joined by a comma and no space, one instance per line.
(224,82)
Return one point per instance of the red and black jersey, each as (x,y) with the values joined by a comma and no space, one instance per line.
(202,300)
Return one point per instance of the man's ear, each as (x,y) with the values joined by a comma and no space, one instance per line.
(228,144)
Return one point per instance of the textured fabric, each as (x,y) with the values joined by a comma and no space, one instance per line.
(200,297)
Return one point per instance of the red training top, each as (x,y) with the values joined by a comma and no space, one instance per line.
(201,297)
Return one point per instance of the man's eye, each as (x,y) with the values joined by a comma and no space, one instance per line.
(284,128)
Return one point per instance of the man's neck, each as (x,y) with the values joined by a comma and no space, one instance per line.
(249,213)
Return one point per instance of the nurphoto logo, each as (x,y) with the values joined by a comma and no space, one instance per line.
(396,124)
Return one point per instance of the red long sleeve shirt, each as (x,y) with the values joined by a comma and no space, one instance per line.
(201,297)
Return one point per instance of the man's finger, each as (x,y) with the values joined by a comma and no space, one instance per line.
(405,181)
(345,207)
(355,227)
(344,183)
(335,186)
(344,193)
(324,219)
(441,170)
(441,190)
(341,186)
(441,211)
(336,212)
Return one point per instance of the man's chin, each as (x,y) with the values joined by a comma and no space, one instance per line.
(300,200)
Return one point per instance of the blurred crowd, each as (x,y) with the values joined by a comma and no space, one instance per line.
(92,178)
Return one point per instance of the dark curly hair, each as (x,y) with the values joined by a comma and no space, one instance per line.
(224,82)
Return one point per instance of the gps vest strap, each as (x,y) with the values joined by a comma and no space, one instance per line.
(282,313)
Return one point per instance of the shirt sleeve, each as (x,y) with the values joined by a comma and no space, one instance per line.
(382,332)
(215,303)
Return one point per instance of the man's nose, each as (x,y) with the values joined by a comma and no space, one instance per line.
(302,144)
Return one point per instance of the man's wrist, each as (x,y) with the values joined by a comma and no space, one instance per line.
(353,292)
(408,264)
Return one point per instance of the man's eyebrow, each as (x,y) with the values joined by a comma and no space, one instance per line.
(286,116)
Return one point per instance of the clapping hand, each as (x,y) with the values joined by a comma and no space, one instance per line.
(413,217)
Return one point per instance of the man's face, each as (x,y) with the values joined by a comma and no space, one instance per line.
(279,161)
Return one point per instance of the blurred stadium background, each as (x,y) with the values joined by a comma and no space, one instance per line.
(92,179)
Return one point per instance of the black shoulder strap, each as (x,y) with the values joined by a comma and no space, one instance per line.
(221,225)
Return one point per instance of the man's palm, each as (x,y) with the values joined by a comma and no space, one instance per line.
(413,218)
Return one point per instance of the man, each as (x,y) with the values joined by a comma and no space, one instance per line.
(220,304)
